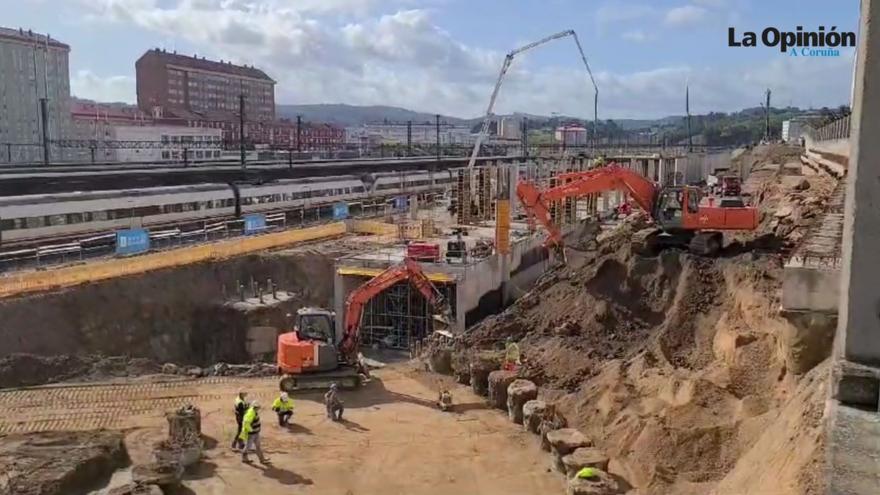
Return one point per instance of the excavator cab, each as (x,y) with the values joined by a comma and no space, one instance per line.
(316,324)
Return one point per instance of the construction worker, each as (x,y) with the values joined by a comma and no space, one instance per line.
(241,407)
(334,403)
(250,433)
(283,406)
(512,357)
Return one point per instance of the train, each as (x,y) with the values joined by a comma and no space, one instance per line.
(33,218)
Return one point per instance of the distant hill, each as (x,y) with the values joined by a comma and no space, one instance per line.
(352,115)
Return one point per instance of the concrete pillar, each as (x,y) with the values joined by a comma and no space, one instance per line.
(853,434)
(339,294)
(859,314)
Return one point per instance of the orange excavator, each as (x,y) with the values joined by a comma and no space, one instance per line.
(680,219)
(310,357)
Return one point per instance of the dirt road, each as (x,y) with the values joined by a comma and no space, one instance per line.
(393,440)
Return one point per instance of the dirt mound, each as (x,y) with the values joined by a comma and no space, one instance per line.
(676,365)
(59,462)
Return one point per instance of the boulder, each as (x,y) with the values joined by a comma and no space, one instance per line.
(533,413)
(564,441)
(461,370)
(518,393)
(170,369)
(551,421)
(601,484)
(498,382)
(783,211)
(583,457)
(440,360)
(136,489)
(164,474)
(480,368)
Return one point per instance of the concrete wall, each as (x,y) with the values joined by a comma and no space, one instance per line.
(836,146)
(810,289)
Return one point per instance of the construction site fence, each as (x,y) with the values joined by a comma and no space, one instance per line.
(68,276)
(837,129)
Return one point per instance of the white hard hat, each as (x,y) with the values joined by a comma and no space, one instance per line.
(283,395)
(255,404)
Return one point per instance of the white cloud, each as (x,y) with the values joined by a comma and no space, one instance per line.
(86,84)
(619,12)
(636,35)
(402,57)
(685,15)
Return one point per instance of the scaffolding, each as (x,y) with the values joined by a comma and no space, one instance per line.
(399,317)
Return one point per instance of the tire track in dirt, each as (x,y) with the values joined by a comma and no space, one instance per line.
(87,407)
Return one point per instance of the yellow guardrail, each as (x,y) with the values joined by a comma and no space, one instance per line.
(371,227)
(118,267)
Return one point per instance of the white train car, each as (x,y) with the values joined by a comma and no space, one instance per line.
(35,217)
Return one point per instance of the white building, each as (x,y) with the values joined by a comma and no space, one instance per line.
(510,128)
(32,67)
(571,135)
(165,143)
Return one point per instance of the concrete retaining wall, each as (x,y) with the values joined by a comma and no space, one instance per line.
(810,289)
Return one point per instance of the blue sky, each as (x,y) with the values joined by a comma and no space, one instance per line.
(443,55)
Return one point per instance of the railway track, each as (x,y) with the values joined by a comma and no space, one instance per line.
(116,405)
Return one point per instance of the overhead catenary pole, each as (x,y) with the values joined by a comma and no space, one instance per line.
(241,129)
(298,133)
(687,110)
(409,138)
(767,117)
(437,128)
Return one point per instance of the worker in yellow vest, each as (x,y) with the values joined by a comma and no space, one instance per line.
(250,433)
(283,407)
(512,357)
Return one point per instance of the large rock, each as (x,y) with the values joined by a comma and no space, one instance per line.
(480,368)
(518,393)
(165,474)
(584,457)
(136,489)
(440,360)
(602,484)
(533,413)
(461,369)
(564,441)
(552,421)
(498,382)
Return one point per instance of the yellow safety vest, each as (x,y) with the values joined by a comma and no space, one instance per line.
(282,406)
(511,355)
(251,423)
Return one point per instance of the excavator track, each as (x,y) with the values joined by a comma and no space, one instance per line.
(346,377)
(706,243)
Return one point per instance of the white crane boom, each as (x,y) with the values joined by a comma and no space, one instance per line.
(484,130)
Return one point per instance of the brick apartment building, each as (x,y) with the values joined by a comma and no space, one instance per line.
(197,92)
(179,82)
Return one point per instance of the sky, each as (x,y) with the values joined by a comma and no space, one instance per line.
(443,56)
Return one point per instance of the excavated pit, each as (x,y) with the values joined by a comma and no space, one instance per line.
(188,315)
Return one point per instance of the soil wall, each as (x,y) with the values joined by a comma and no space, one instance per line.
(159,315)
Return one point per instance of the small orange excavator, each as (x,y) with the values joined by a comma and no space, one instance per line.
(679,217)
(310,357)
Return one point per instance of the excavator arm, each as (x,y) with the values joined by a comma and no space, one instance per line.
(609,178)
(354,305)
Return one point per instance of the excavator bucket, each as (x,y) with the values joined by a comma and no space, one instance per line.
(444,319)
